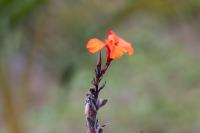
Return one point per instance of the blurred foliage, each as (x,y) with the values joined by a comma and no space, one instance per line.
(45,70)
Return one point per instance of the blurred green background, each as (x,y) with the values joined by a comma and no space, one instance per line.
(45,70)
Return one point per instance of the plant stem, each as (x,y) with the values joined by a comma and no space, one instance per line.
(92,102)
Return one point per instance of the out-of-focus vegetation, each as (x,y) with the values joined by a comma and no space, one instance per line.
(45,70)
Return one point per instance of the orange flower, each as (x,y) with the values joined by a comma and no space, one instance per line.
(115,46)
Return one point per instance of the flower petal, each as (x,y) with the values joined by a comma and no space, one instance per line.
(111,38)
(94,45)
(126,45)
(116,53)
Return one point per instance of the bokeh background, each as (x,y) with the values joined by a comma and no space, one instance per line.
(45,70)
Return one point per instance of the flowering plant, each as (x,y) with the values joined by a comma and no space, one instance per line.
(115,48)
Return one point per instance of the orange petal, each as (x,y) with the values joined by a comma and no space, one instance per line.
(116,53)
(114,40)
(126,45)
(111,34)
(94,45)
(111,38)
